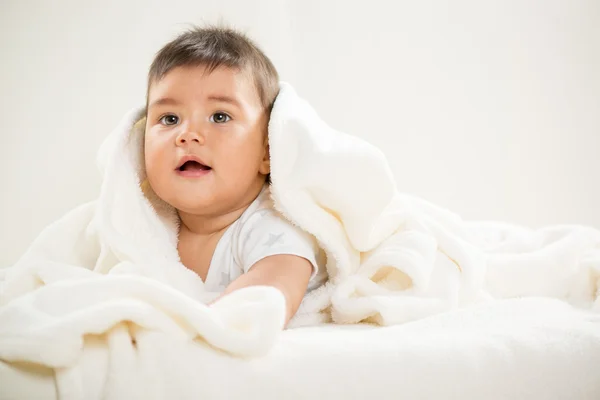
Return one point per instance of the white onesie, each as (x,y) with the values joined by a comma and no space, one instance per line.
(261,232)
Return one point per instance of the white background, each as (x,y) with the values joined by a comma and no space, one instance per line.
(488,108)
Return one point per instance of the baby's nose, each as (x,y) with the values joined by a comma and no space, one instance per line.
(190,136)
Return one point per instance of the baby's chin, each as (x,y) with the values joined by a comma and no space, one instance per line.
(194,205)
(208,206)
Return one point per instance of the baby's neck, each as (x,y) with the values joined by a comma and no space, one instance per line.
(211,224)
(203,225)
(207,225)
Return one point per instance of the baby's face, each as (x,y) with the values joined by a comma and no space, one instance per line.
(205,142)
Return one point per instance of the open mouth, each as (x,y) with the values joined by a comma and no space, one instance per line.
(192,166)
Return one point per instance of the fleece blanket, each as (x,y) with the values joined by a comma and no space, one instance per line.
(107,275)
(529,348)
(393,257)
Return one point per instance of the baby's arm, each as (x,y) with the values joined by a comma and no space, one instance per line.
(273,252)
(288,273)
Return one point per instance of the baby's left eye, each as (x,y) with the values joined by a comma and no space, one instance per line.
(220,118)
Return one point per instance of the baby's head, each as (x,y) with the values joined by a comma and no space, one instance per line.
(209,99)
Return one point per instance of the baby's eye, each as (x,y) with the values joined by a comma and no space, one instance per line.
(169,119)
(220,118)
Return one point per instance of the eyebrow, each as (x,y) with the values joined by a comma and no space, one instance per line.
(164,101)
(225,99)
(169,101)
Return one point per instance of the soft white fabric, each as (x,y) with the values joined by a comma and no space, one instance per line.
(393,257)
(260,232)
(102,291)
(513,349)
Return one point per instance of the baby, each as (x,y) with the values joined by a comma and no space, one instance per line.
(210,94)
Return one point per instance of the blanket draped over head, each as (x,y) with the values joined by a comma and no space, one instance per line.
(107,276)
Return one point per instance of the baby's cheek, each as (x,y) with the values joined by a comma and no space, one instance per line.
(153,163)
(148,163)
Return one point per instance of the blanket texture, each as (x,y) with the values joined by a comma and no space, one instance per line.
(529,348)
(107,276)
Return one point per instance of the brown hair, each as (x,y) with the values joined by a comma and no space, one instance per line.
(215,47)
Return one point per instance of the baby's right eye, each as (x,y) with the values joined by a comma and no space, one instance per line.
(169,119)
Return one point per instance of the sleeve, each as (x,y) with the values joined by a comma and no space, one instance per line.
(267,234)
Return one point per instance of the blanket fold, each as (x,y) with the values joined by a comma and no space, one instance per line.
(109,272)
(393,257)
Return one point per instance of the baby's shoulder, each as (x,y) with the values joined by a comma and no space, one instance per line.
(262,220)
(264,231)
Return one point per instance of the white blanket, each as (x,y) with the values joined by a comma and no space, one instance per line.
(395,257)
(106,278)
(518,349)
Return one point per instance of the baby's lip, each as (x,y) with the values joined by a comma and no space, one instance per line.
(190,157)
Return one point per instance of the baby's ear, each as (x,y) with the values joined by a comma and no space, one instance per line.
(265,164)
